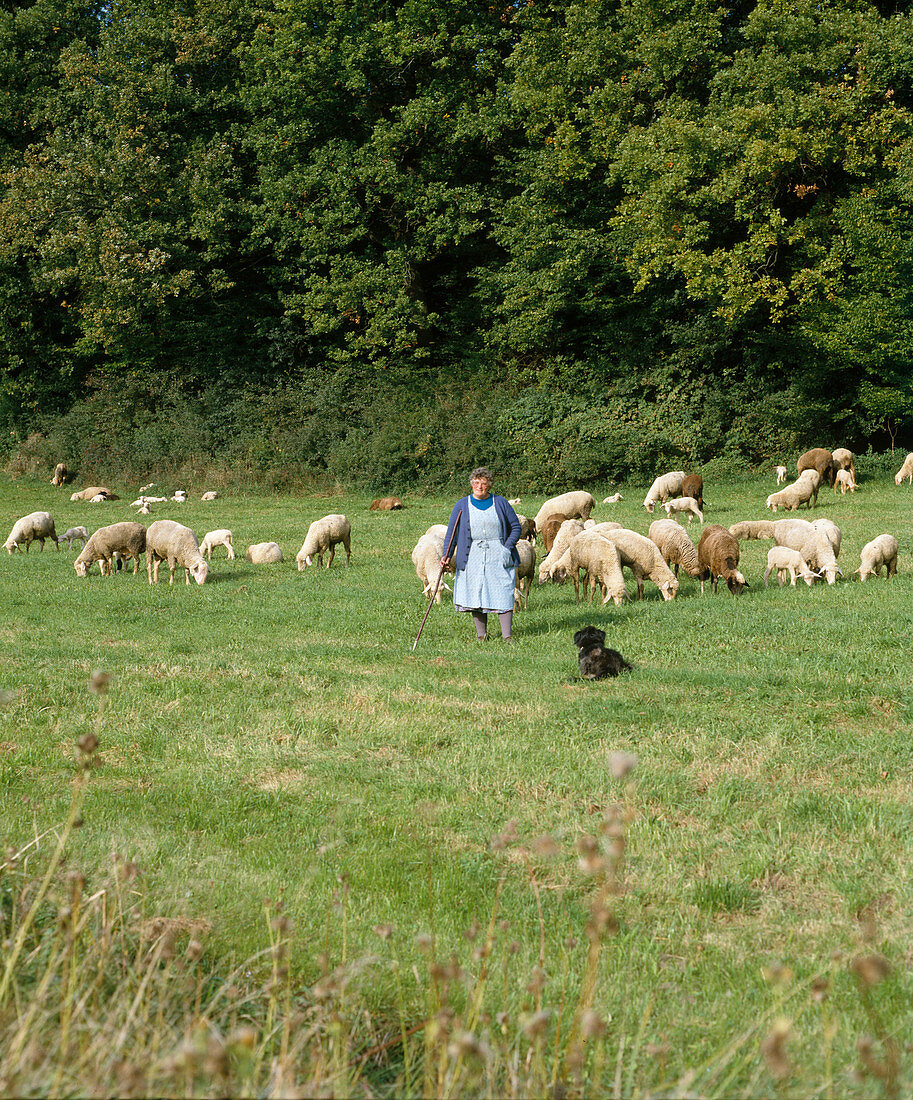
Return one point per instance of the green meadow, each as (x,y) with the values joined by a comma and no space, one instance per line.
(442,872)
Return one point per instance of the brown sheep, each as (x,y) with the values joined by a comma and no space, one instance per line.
(386,504)
(820,459)
(693,486)
(60,474)
(549,529)
(718,552)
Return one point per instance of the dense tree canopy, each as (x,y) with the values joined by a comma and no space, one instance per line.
(587,235)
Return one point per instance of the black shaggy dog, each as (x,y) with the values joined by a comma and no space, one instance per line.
(597,662)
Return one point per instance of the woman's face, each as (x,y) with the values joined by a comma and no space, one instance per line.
(481,487)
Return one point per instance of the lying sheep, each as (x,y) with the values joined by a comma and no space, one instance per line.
(820,459)
(221,537)
(567,532)
(426,557)
(684,504)
(526,570)
(718,555)
(94,491)
(664,487)
(126,540)
(641,555)
(613,499)
(676,548)
(386,504)
(180,496)
(780,471)
(905,472)
(843,480)
(845,460)
(753,529)
(881,551)
(35,526)
(576,504)
(211,494)
(601,561)
(60,474)
(788,563)
(178,545)
(324,534)
(264,553)
(73,534)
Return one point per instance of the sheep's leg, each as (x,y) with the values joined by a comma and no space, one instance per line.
(332,555)
(348,549)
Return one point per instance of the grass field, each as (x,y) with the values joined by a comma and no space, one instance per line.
(450,828)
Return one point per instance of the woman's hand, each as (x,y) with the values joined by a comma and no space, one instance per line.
(445,562)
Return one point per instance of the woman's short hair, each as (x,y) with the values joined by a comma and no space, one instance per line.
(482,471)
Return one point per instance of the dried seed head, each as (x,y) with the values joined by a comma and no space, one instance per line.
(773,1048)
(87,744)
(194,950)
(424,942)
(536,980)
(536,1024)
(465,1044)
(820,989)
(622,763)
(592,1026)
(545,846)
(385,931)
(870,969)
(99,681)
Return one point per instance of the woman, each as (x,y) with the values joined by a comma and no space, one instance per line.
(487,530)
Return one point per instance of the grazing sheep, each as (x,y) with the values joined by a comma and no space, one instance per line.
(567,532)
(718,554)
(178,545)
(787,563)
(905,472)
(791,497)
(613,499)
(126,540)
(526,570)
(73,534)
(845,460)
(94,491)
(264,553)
(222,537)
(843,480)
(593,659)
(601,528)
(780,471)
(35,526)
(881,551)
(386,504)
(575,505)
(753,529)
(601,562)
(211,494)
(527,528)
(684,504)
(693,486)
(820,459)
(641,555)
(550,529)
(665,486)
(818,543)
(676,548)
(426,557)
(832,532)
(325,534)
(60,474)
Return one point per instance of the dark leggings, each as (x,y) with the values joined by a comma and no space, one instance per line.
(480,618)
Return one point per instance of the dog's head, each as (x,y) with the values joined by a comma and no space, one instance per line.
(588,636)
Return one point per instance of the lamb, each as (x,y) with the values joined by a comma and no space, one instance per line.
(180,496)
(264,553)
(613,499)
(178,545)
(525,571)
(35,526)
(687,504)
(753,529)
(718,554)
(127,540)
(792,496)
(676,548)
(426,557)
(665,486)
(881,551)
(60,474)
(73,534)
(221,537)
(905,471)
(567,532)
(820,459)
(845,460)
(574,505)
(693,486)
(788,563)
(324,534)
(818,543)
(386,504)
(93,491)
(780,471)
(643,558)
(527,528)
(601,561)
(843,480)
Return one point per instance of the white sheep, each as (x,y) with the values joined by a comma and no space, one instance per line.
(122,540)
(426,557)
(753,529)
(264,553)
(780,471)
(792,496)
(664,487)
(178,545)
(35,526)
(683,504)
(574,504)
(179,496)
(676,547)
(210,495)
(906,471)
(843,480)
(818,543)
(881,551)
(60,474)
(525,571)
(91,492)
(73,534)
(567,532)
(845,460)
(325,534)
(601,561)
(788,563)
(641,555)
(613,499)
(221,537)
(514,502)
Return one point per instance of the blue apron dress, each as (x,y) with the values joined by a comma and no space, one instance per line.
(488,581)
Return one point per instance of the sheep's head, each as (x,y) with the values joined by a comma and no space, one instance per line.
(669,590)
(737,583)
(199,571)
(81,567)
(651,504)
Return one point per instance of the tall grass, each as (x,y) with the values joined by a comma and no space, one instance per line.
(306,859)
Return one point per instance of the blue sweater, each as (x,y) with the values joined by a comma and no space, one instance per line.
(510,529)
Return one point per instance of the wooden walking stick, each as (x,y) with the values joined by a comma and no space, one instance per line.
(440,577)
